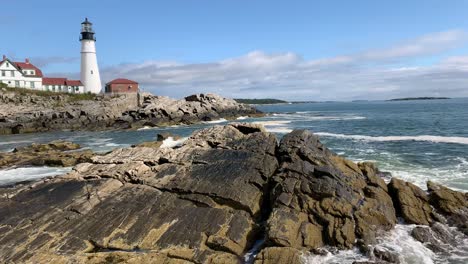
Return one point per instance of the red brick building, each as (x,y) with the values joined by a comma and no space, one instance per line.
(122,86)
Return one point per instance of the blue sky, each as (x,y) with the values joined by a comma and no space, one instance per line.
(340,50)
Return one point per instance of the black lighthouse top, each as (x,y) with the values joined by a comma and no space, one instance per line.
(87,30)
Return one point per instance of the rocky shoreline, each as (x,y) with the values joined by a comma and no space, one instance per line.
(30,112)
(214,199)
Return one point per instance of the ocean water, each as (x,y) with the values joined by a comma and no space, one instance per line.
(414,140)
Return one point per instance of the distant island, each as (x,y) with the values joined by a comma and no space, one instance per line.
(260,101)
(418,98)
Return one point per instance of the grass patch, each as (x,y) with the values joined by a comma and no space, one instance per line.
(71,97)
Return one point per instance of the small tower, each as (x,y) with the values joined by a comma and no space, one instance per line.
(89,67)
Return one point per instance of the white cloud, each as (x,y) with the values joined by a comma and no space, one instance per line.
(376,74)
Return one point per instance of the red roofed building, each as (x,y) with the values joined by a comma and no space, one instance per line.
(62,85)
(26,75)
(122,86)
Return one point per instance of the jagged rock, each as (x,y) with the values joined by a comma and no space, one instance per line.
(29,112)
(209,201)
(450,203)
(411,202)
(200,202)
(55,153)
(437,237)
(386,256)
(322,199)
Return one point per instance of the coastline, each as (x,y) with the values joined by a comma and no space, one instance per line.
(28,112)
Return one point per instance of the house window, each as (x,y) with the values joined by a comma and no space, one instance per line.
(32,73)
(3,73)
(8,64)
(16,84)
(12,73)
(32,85)
(92,72)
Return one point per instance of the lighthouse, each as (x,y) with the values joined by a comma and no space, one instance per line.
(89,67)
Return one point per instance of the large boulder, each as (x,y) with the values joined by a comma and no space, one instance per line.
(322,199)
(452,204)
(411,202)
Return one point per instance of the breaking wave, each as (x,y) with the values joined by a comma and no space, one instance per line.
(170,142)
(10,176)
(221,120)
(400,242)
(279,126)
(434,139)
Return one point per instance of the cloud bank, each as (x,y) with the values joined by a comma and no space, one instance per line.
(373,74)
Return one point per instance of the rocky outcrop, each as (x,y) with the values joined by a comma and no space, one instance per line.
(30,112)
(55,153)
(322,199)
(226,191)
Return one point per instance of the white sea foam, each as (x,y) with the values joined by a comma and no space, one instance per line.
(170,142)
(273,123)
(276,126)
(99,141)
(221,120)
(16,142)
(398,241)
(314,116)
(434,139)
(146,128)
(242,117)
(10,176)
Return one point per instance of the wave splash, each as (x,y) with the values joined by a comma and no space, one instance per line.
(428,138)
(10,176)
(171,143)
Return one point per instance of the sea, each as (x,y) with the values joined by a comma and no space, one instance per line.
(416,141)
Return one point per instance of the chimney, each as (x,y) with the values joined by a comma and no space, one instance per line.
(4,57)
(27,60)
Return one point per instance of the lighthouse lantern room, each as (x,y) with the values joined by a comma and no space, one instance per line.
(89,67)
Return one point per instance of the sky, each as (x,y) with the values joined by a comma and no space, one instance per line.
(292,50)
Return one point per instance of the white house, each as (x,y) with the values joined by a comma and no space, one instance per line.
(26,75)
(20,74)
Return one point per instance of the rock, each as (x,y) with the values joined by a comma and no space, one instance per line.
(410,202)
(211,200)
(165,135)
(437,237)
(279,255)
(450,203)
(199,203)
(29,112)
(322,199)
(55,153)
(383,254)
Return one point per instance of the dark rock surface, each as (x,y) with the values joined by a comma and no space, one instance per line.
(27,112)
(211,200)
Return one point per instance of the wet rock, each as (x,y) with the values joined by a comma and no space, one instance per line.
(384,255)
(450,203)
(55,153)
(411,202)
(438,237)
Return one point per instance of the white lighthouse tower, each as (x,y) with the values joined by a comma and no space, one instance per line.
(89,67)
